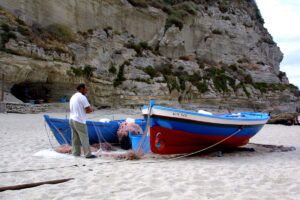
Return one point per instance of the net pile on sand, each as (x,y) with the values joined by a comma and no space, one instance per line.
(94,148)
(123,133)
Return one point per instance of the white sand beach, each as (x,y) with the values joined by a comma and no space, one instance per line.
(266,173)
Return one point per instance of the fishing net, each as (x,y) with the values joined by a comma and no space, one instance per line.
(132,136)
(94,148)
(123,132)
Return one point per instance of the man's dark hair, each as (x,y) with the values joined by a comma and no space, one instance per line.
(80,86)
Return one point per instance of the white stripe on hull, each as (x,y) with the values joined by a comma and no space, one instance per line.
(201,118)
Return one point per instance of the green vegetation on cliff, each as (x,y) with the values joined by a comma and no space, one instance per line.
(86,71)
(120,76)
(5,36)
(60,32)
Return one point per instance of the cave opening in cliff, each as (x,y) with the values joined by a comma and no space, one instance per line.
(31,92)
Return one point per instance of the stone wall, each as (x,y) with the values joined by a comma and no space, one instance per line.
(23,108)
(2,108)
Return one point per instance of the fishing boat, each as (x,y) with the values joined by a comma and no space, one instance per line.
(97,131)
(174,131)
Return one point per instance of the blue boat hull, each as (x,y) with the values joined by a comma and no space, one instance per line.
(200,128)
(97,131)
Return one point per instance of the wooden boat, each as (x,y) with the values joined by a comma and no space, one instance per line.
(175,131)
(97,131)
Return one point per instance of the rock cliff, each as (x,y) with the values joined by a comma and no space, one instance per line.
(195,54)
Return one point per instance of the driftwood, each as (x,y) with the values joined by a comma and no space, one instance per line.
(29,185)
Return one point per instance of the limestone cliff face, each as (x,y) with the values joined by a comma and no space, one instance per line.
(82,15)
(216,54)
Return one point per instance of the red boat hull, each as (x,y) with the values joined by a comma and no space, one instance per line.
(169,141)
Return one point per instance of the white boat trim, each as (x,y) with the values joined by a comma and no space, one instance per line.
(198,117)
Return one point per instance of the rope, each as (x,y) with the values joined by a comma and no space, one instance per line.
(115,161)
(98,132)
(61,134)
(199,151)
(47,133)
(67,166)
(209,147)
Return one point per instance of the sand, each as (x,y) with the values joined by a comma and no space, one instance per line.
(266,173)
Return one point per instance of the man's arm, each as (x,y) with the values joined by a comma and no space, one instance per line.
(86,105)
(89,109)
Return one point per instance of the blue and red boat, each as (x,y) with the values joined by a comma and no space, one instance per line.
(174,131)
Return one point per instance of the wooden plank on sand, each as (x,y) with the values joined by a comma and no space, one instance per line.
(29,185)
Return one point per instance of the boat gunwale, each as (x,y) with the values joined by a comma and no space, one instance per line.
(247,120)
(208,123)
(88,122)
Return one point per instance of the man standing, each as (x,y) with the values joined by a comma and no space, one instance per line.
(79,106)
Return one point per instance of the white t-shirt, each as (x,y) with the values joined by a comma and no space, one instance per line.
(78,103)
